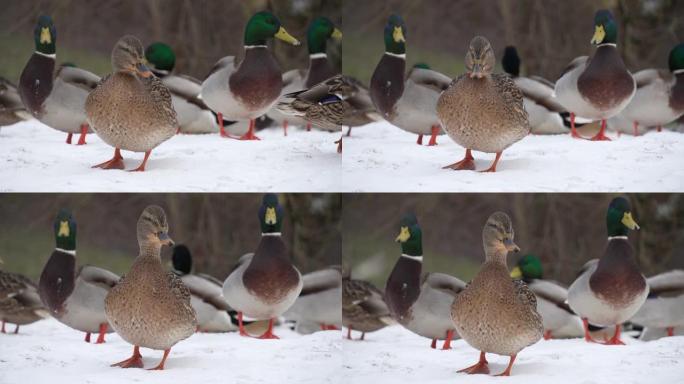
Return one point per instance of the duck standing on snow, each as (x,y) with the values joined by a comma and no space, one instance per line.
(363,307)
(12,110)
(150,307)
(494,313)
(500,119)
(56,99)
(421,304)
(19,301)
(319,303)
(247,90)
(664,307)
(264,284)
(75,297)
(610,290)
(600,86)
(406,102)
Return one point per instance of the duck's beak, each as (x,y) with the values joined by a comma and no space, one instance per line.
(477,72)
(599,35)
(337,34)
(629,222)
(398,35)
(404,235)
(516,273)
(143,70)
(165,239)
(286,37)
(511,246)
(45,36)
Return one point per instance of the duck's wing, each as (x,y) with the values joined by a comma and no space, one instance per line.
(540,93)
(511,94)
(671,282)
(177,287)
(210,278)
(551,292)
(444,282)
(78,77)
(98,276)
(543,81)
(524,294)
(188,90)
(648,77)
(319,281)
(160,93)
(429,79)
(574,64)
(366,296)
(293,77)
(206,290)
(587,267)
(246,258)
(227,62)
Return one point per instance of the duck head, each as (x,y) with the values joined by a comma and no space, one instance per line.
(395,35)
(320,30)
(153,229)
(271,215)
(619,218)
(128,56)
(45,35)
(676,59)
(479,60)
(511,61)
(65,231)
(161,58)
(605,28)
(264,25)
(182,259)
(410,236)
(497,237)
(528,267)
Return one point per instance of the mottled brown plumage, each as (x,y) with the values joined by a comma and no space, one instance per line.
(363,308)
(19,300)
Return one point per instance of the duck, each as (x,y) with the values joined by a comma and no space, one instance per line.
(363,307)
(248,89)
(56,99)
(406,102)
(664,306)
(319,302)
(494,313)
(131,109)
(610,290)
(213,312)
(150,307)
(501,119)
(19,301)
(421,304)
(597,87)
(264,284)
(659,97)
(558,318)
(75,296)
(12,110)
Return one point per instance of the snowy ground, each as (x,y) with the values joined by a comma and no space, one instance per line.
(394,355)
(49,352)
(34,158)
(382,158)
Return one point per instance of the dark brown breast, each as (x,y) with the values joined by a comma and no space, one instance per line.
(35,83)
(605,82)
(319,70)
(403,288)
(270,275)
(387,83)
(677,94)
(57,281)
(258,81)
(617,278)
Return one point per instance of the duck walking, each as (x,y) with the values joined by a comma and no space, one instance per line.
(19,300)
(494,313)
(363,307)
(481,110)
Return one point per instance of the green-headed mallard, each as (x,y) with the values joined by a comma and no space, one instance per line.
(264,284)
(56,99)
(664,307)
(319,302)
(600,86)
(19,300)
(481,110)
(12,110)
(75,296)
(150,307)
(248,89)
(494,313)
(610,290)
(363,307)
(406,101)
(422,304)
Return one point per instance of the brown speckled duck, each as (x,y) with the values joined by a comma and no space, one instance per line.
(363,307)
(494,313)
(481,110)
(19,300)
(12,110)
(150,307)
(131,109)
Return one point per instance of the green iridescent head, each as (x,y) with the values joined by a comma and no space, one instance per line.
(263,26)
(605,28)
(676,59)
(619,218)
(161,57)
(45,35)
(528,267)
(410,236)
(320,30)
(271,214)
(65,231)
(395,35)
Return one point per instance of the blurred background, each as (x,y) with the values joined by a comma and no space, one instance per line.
(563,230)
(548,34)
(200,31)
(218,229)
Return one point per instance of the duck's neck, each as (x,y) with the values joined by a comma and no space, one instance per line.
(149,249)
(676,101)
(496,253)
(36,81)
(319,69)
(387,83)
(403,285)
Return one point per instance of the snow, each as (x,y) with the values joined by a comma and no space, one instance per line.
(49,352)
(395,355)
(34,158)
(379,157)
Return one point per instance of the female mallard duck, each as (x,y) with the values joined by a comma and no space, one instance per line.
(481,110)
(56,99)
(131,109)
(664,307)
(558,319)
(75,297)
(600,86)
(19,300)
(421,304)
(319,302)
(213,312)
(659,97)
(247,90)
(12,110)
(406,102)
(363,307)
(494,313)
(150,307)
(610,290)
(264,284)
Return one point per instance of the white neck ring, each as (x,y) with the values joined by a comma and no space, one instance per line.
(416,258)
(255,46)
(320,55)
(617,237)
(399,55)
(72,252)
(272,234)
(50,55)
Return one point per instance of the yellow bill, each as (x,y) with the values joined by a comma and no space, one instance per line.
(404,235)
(63,229)
(629,222)
(45,36)
(337,34)
(398,35)
(516,273)
(599,35)
(286,37)
(270,216)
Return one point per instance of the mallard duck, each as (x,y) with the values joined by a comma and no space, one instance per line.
(363,307)
(319,302)
(500,119)
(19,300)
(659,98)
(12,110)
(406,102)
(264,284)
(420,303)
(150,307)
(213,312)
(248,89)
(494,313)
(664,307)
(600,86)
(131,109)
(610,290)
(558,319)
(75,296)
(56,99)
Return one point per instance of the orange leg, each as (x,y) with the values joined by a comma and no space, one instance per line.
(134,361)
(573,130)
(101,336)
(285,127)
(115,162)
(222,129)
(636,129)
(587,335)
(615,340)
(492,168)
(434,344)
(241,327)
(250,133)
(3,327)
(141,167)
(329,327)
(87,337)
(507,372)
(670,331)
(547,334)
(269,332)
(467,163)
(160,367)
(659,128)
(447,342)
(433,136)
(84,132)
(68,140)
(339,145)
(349,334)
(420,140)
(601,135)
(308,127)
(479,367)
